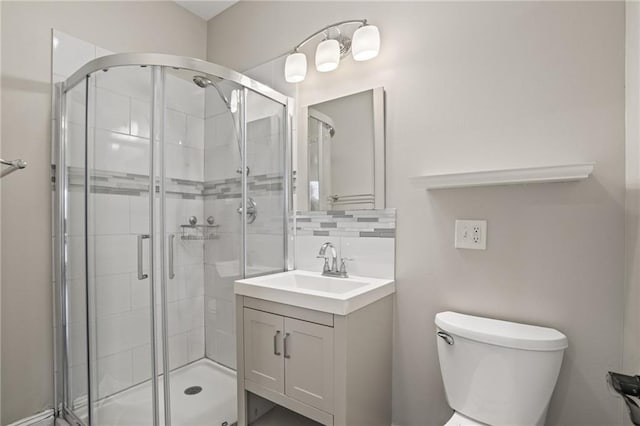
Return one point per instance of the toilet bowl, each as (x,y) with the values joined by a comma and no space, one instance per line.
(497,372)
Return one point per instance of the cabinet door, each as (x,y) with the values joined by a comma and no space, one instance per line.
(308,352)
(263,362)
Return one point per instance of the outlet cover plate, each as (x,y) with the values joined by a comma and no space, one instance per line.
(471,234)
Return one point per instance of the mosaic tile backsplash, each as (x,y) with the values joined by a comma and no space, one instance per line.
(365,237)
(350,223)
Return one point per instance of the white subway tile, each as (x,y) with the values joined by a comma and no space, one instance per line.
(139,327)
(116,152)
(75,257)
(76,299)
(78,341)
(183,95)
(192,281)
(195,132)
(134,82)
(141,118)
(214,105)
(183,162)
(139,214)
(178,350)
(195,348)
(112,334)
(112,111)
(140,294)
(222,162)
(175,130)
(78,379)
(224,348)
(113,294)
(141,363)
(116,254)
(114,373)
(111,213)
(373,257)
(70,53)
(225,316)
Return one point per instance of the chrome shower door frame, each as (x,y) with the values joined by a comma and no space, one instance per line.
(158,62)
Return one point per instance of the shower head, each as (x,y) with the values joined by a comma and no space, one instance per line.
(203,82)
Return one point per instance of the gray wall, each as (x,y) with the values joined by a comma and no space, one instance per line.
(631,362)
(27,363)
(480,86)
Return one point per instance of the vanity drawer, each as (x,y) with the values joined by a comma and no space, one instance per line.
(289,311)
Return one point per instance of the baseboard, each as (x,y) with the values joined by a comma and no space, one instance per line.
(41,419)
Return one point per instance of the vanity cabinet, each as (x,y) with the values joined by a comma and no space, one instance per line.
(334,369)
(308,363)
(289,356)
(263,362)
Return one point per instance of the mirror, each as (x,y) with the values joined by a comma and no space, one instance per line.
(344,143)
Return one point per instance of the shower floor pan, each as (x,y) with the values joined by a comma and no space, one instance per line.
(212,405)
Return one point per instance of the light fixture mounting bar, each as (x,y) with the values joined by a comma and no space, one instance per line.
(328,27)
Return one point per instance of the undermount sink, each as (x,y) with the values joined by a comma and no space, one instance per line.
(312,290)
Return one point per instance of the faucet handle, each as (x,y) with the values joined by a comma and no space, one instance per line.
(325,267)
(343,266)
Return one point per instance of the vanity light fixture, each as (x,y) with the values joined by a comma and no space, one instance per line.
(364,46)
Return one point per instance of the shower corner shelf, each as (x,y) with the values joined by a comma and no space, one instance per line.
(547,174)
(198,232)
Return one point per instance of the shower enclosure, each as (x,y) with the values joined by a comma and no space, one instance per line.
(320,130)
(171,181)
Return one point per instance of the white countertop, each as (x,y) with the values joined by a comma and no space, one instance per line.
(312,290)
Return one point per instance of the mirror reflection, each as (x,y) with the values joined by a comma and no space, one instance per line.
(345,152)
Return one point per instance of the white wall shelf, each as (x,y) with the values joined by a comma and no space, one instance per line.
(560,173)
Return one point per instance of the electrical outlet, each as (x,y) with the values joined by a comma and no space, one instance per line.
(471,234)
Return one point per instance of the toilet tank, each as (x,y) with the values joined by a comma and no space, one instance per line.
(498,372)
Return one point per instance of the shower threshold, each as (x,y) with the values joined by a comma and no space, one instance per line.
(210,399)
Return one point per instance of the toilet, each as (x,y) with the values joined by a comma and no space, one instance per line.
(497,372)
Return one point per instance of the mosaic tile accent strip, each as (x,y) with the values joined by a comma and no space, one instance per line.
(232,187)
(347,223)
(105,182)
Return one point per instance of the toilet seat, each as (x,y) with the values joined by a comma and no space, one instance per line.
(459,420)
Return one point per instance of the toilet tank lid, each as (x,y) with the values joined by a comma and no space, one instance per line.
(501,333)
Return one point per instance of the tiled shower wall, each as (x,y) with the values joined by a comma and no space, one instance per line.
(222,255)
(222,198)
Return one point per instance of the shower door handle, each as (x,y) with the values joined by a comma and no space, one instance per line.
(172,273)
(141,275)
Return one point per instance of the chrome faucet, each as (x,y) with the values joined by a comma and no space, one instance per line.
(332,271)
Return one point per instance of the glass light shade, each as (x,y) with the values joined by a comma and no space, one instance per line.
(327,55)
(295,68)
(366,43)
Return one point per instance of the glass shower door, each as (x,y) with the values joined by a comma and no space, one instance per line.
(199,195)
(119,244)
(265,228)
